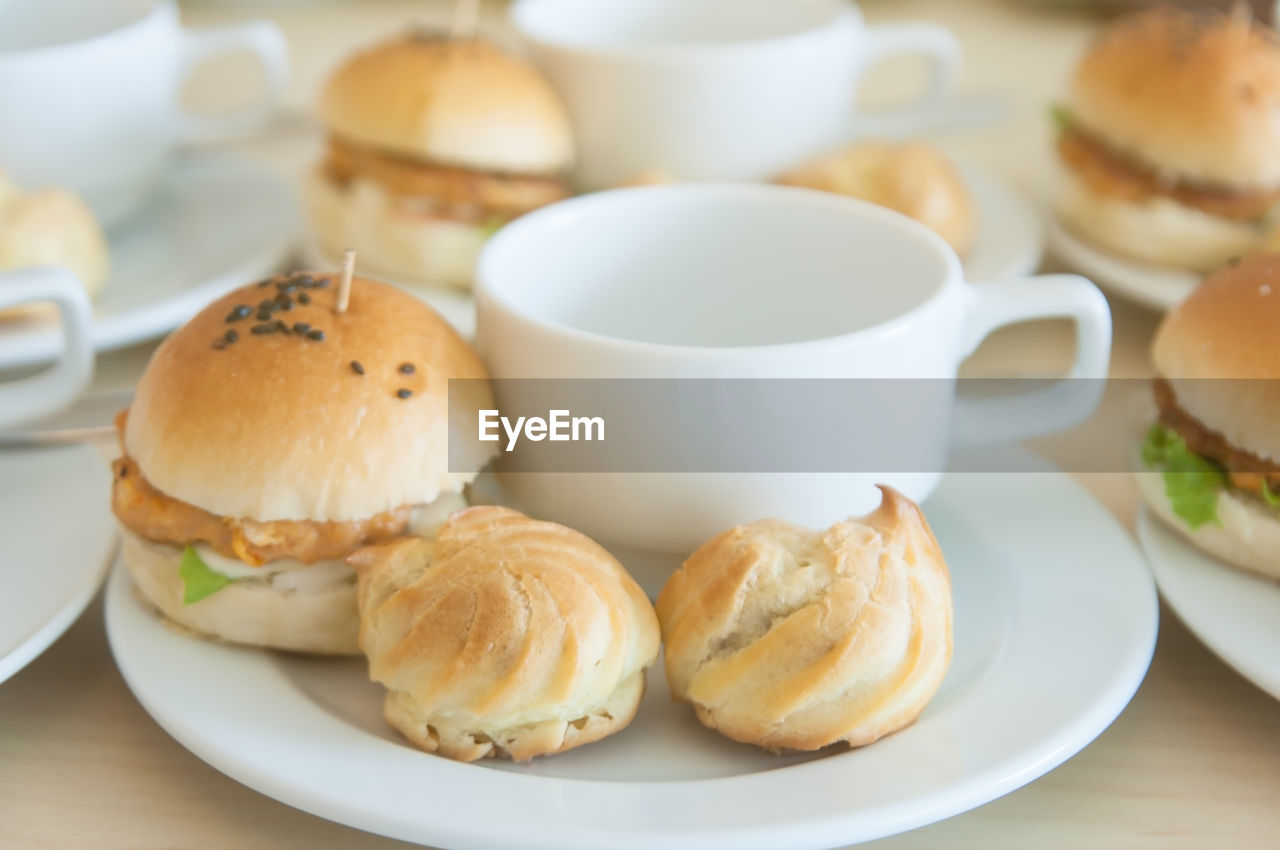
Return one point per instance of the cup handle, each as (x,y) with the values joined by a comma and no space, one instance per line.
(267,43)
(931,41)
(1062,403)
(56,386)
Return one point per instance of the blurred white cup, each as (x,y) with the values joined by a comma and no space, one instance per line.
(89,94)
(719,89)
(55,387)
(726,282)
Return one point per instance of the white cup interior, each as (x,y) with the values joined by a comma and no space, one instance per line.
(671,22)
(38,24)
(715,265)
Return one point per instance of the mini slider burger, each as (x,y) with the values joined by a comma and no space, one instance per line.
(1211,462)
(433,145)
(1169,144)
(271,435)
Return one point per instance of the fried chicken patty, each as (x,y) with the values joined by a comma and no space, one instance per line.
(1246,470)
(459,194)
(1111,173)
(147,512)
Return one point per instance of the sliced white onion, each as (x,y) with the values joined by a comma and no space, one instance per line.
(235,569)
(318,576)
(427,519)
(424,521)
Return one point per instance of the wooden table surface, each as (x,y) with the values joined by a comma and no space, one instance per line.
(1194,762)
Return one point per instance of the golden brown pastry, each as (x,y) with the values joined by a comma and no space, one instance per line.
(913,178)
(503,636)
(50,227)
(792,639)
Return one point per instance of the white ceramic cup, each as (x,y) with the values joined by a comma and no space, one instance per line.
(89,94)
(56,386)
(718,89)
(725,281)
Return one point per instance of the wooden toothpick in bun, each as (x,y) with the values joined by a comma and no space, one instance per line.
(1211,464)
(793,639)
(503,636)
(1170,150)
(280,425)
(268,437)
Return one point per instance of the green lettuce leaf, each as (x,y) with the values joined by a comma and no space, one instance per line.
(1193,493)
(1272,499)
(1061,117)
(1191,482)
(1155,445)
(198,579)
(491,226)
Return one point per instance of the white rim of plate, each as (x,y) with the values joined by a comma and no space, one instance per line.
(25,346)
(1156,540)
(1151,286)
(33,645)
(995,199)
(275,724)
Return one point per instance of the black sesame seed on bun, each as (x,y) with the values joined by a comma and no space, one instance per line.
(257,429)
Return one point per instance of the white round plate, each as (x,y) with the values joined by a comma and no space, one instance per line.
(1156,287)
(56,534)
(1009,243)
(1010,237)
(1055,626)
(216,223)
(1235,614)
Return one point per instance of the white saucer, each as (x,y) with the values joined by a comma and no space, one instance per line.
(56,534)
(1236,614)
(1157,287)
(217,223)
(1055,626)
(1009,243)
(1010,237)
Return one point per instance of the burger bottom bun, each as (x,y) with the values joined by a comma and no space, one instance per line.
(1156,230)
(1247,535)
(389,240)
(323,621)
(467,738)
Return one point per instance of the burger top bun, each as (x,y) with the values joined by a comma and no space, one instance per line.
(462,103)
(1214,349)
(1193,93)
(337,417)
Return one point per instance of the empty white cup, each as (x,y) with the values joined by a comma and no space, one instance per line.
(56,386)
(719,281)
(89,94)
(718,89)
